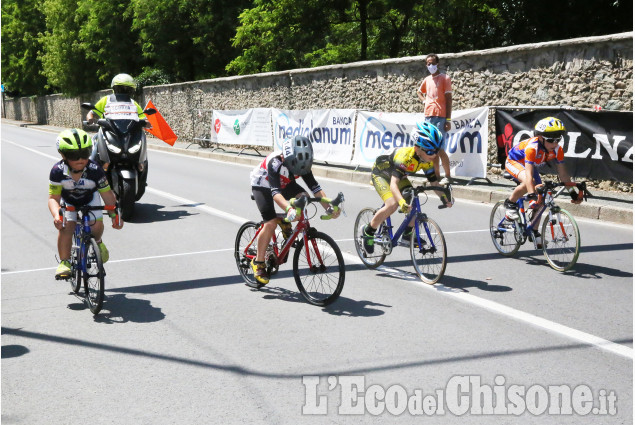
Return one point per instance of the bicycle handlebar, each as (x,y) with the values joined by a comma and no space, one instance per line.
(86,208)
(447,191)
(304,200)
(549,185)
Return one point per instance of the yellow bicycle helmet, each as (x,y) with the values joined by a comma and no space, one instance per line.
(550,128)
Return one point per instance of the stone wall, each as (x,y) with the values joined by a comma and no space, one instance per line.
(579,73)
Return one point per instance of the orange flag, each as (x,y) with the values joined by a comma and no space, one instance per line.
(160,127)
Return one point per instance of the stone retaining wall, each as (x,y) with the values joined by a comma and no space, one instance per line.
(579,73)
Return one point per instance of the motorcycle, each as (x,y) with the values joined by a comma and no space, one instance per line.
(121,149)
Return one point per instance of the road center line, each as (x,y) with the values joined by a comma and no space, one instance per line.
(492,306)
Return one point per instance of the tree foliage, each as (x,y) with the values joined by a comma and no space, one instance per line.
(76,46)
(22,20)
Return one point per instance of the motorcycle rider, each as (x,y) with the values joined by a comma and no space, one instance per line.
(119,106)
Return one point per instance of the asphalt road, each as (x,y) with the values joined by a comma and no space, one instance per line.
(181,339)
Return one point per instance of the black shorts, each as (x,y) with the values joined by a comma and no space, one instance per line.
(264,199)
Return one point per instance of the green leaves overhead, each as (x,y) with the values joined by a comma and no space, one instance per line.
(76,46)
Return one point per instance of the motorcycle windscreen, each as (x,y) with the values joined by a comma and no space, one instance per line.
(124,126)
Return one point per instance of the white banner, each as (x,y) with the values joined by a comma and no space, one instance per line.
(467,141)
(378,133)
(330,131)
(246,127)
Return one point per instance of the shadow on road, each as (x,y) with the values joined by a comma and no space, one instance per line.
(398,364)
(151,213)
(341,307)
(120,309)
(10,351)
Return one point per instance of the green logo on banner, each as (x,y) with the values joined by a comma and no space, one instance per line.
(237,127)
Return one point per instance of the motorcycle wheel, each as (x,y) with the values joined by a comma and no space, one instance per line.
(143,178)
(127,199)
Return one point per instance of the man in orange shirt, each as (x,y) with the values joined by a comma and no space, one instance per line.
(436,94)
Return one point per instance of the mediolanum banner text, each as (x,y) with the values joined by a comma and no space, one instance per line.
(379,133)
(598,145)
(329,130)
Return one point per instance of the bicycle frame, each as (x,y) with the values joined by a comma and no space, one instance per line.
(281,255)
(527,227)
(415,213)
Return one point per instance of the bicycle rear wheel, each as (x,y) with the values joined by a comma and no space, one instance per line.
(246,235)
(372,261)
(429,259)
(504,232)
(319,273)
(561,241)
(94,277)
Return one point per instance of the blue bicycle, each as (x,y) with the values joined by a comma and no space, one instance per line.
(427,244)
(86,264)
(560,237)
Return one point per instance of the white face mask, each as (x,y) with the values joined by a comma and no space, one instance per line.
(432,69)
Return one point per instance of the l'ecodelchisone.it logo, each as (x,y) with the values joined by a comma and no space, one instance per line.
(217,125)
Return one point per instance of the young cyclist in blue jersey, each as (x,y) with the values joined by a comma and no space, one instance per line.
(274,182)
(390,177)
(77,181)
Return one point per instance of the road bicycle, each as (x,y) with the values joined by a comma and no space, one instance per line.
(318,264)
(427,243)
(560,234)
(86,263)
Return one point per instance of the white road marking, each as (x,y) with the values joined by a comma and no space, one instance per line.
(492,306)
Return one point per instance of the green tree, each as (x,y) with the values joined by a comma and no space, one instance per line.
(22,20)
(108,39)
(64,59)
(278,35)
(188,39)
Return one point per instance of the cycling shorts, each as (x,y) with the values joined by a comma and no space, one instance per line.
(264,199)
(382,186)
(515,168)
(98,215)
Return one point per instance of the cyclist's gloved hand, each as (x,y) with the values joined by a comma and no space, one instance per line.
(292,213)
(531,197)
(576,197)
(403,206)
(444,181)
(331,212)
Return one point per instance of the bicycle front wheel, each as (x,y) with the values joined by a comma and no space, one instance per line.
(372,261)
(76,270)
(561,241)
(246,235)
(319,273)
(504,232)
(94,277)
(428,252)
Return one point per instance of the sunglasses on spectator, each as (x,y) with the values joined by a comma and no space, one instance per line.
(78,154)
(552,139)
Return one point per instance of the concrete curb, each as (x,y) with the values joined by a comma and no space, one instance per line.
(594,211)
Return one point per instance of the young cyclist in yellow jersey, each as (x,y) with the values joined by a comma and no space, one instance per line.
(390,176)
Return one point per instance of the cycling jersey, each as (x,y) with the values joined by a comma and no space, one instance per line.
(402,162)
(80,192)
(530,151)
(273,174)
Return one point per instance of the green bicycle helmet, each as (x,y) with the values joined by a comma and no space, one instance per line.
(74,144)
(73,140)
